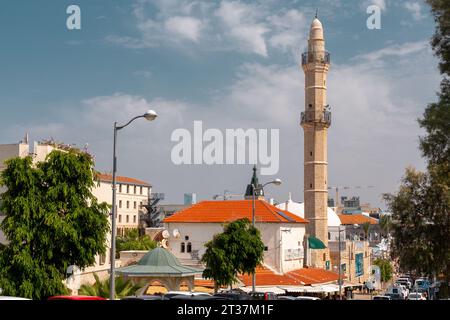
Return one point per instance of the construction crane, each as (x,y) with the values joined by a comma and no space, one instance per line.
(337,188)
(226,195)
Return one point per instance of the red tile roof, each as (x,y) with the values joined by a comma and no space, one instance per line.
(230,210)
(356,219)
(299,277)
(125,180)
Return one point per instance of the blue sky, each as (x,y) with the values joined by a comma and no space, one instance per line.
(231,64)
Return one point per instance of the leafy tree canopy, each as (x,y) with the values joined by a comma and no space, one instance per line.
(237,250)
(52,220)
(386,269)
(133,241)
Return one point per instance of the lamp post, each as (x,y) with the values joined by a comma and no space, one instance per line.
(150,115)
(276,182)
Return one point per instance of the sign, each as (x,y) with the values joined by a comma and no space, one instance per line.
(359,264)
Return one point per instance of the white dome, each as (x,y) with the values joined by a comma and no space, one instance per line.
(298,209)
(316,31)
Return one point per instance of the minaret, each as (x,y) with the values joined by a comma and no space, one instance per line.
(315,121)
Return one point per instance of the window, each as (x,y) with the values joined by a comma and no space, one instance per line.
(310,153)
(128,204)
(189,247)
(120,203)
(186,238)
(324,257)
(310,185)
(266,248)
(141,190)
(120,218)
(134,205)
(329,236)
(120,188)
(134,219)
(128,189)
(182,247)
(134,189)
(102,259)
(128,218)
(140,204)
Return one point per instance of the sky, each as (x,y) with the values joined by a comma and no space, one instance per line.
(229,64)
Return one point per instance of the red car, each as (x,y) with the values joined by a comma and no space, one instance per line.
(76,298)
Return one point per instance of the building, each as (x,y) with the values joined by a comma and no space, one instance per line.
(132,194)
(315,120)
(281,231)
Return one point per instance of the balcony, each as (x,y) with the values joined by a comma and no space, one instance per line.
(316,57)
(316,117)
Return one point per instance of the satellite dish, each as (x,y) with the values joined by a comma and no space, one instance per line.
(164,243)
(165,234)
(176,233)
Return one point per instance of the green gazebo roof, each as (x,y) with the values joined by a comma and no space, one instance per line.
(158,263)
(315,243)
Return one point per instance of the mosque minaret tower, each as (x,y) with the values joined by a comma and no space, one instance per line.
(315,120)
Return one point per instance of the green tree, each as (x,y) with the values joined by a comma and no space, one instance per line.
(123,288)
(366,228)
(52,221)
(133,241)
(237,250)
(386,269)
(385,223)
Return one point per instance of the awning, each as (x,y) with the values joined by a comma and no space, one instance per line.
(315,243)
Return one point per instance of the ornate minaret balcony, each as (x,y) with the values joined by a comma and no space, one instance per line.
(311,117)
(323,57)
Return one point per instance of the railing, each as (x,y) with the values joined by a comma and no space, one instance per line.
(313,117)
(318,57)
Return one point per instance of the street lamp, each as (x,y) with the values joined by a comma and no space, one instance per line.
(339,249)
(276,182)
(150,115)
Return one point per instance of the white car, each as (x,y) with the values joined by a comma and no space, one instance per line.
(416,296)
(170,294)
(307,298)
(12,298)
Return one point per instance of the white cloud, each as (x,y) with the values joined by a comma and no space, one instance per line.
(241,23)
(289,30)
(395,50)
(186,27)
(415,9)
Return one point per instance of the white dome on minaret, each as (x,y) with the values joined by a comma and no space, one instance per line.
(316,31)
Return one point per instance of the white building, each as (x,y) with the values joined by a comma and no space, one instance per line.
(281,231)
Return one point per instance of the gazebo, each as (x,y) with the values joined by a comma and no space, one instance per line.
(162,266)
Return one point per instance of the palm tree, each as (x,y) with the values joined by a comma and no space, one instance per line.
(385,223)
(101,288)
(366,227)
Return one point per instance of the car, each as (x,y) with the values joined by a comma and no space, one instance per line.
(405,281)
(381,298)
(394,296)
(12,298)
(307,298)
(195,297)
(169,295)
(286,298)
(234,296)
(76,298)
(143,297)
(263,295)
(416,296)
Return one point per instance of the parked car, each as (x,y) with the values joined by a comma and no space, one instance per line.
(307,298)
(143,297)
(381,298)
(263,295)
(169,295)
(416,296)
(421,285)
(286,298)
(76,298)
(234,295)
(405,281)
(196,297)
(12,298)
